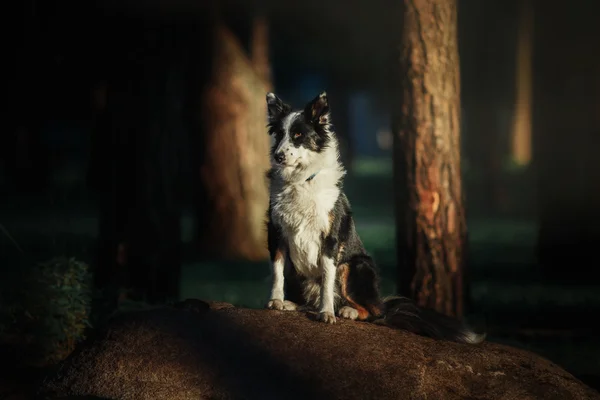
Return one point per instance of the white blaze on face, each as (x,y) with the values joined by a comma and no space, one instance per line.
(286,146)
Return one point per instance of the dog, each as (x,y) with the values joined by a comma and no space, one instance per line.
(318,260)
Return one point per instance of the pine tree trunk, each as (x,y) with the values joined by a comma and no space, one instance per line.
(231,118)
(521,134)
(430,220)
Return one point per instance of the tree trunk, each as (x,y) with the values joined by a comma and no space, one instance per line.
(260,48)
(231,118)
(430,221)
(136,169)
(521,134)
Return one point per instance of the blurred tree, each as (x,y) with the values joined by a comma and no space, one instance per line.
(259,48)
(430,221)
(229,120)
(488,35)
(521,132)
(139,145)
(566,140)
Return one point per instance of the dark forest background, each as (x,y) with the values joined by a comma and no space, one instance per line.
(133,141)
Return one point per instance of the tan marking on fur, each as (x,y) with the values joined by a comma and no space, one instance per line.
(278,256)
(375,310)
(331,219)
(363,313)
(341,249)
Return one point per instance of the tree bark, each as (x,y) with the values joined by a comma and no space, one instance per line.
(230,119)
(430,220)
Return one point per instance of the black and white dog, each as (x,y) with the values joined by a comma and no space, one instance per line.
(318,260)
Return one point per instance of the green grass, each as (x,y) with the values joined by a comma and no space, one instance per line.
(242,283)
(372,167)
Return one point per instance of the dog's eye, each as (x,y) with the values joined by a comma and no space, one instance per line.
(297,135)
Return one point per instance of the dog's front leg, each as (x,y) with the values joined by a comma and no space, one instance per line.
(276,301)
(328,273)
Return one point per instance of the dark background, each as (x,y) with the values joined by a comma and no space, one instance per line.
(533,226)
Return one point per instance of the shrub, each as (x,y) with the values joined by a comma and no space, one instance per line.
(44,311)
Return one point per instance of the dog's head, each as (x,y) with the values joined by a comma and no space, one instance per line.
(302,138)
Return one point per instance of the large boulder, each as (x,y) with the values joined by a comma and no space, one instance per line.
(223,352)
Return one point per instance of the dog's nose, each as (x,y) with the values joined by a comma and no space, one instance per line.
(280,157)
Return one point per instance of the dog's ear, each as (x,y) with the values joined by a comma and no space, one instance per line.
(317,111)
(275,107)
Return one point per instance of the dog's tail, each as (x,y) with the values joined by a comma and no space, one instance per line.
(403,313)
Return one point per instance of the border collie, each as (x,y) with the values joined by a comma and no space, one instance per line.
(318,261)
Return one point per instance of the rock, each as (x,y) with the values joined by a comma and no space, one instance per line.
(223,352)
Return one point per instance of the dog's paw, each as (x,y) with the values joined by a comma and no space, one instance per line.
(282,305)
(348,313)
(275,304)
(327,317)
(290,306)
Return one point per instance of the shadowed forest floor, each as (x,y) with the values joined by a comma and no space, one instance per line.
(507,292)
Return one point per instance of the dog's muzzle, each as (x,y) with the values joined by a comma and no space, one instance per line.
(279,157)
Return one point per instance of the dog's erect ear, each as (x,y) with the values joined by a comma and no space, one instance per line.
(317,111)
(275,107)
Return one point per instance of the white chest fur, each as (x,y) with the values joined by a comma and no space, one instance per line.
(302,211)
